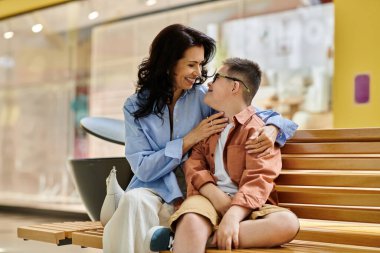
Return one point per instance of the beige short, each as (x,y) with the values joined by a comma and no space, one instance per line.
(201,205)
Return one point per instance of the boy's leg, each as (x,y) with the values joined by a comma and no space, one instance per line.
(192,232)
(193,223)
(272,230)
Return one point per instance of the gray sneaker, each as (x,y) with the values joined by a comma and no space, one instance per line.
(159,238)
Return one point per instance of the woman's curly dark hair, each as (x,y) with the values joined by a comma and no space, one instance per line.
(154,85)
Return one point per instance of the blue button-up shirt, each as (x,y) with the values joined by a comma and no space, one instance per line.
(153,154)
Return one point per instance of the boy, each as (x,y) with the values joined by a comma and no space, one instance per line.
(231,193)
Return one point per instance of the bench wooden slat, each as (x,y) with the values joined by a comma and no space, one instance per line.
(329,178)
(340,237)
(340,213)
(68,229)
(329,223)
(337,135)
(324,195)
(330,199)
(341,226)
(87,240)
(304,246)
(330,163)
(366,234)
(327,189)
(88,225)
(82,224)
(44,235)
(94,232)
(333,148)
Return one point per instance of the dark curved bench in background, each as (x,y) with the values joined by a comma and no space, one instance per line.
(89,175)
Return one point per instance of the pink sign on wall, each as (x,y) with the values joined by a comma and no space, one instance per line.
(362,82)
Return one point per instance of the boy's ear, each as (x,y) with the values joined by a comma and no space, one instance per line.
(236,87)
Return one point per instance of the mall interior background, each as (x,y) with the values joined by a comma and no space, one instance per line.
(81,60)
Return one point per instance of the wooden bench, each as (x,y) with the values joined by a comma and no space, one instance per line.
(330,179)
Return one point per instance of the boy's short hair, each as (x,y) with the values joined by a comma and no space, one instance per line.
(247,71)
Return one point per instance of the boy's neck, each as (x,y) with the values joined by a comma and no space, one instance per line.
(231,109)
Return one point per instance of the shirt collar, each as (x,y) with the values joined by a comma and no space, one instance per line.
(185,92)
(245,115)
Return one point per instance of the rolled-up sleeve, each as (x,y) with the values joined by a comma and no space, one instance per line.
(286,127)
(197,171)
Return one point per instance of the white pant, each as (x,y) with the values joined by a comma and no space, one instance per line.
(139,210)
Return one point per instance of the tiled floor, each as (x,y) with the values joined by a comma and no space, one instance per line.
(9,243)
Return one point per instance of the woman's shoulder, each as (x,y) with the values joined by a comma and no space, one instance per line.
(131,100)
(134,98)
(130,103)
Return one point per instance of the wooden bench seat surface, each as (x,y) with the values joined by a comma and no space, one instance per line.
(56,233)
(90,235)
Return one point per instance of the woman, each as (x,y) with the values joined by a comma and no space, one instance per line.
(163,120)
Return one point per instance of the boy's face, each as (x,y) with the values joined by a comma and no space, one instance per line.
(220,90)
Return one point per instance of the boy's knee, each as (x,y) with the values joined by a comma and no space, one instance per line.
(292,223)
(287,227)
(190,219)
(193,223)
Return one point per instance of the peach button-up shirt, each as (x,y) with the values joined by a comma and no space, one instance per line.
(254,176)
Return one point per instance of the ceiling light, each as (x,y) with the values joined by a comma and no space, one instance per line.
(150,2)
(8,35)
(93,15)
(37,28)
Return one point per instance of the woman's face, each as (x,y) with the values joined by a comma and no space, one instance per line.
(188,68)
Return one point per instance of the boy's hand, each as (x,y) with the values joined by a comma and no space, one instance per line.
(228,232)
(262,140)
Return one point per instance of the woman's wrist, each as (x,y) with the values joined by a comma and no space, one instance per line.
(188,142)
